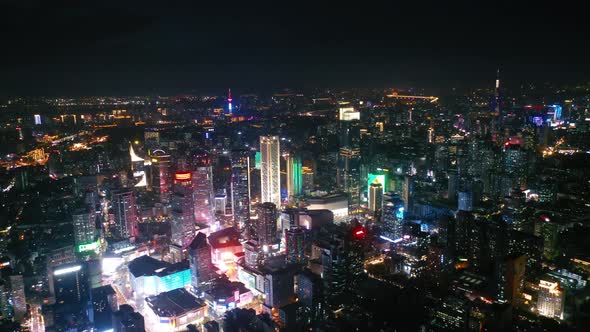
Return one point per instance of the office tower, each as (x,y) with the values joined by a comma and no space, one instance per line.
(252,254)
(278,288)
(70,282)
(6,311)
(151,137)
(240,188)
(125,211)
(19,301)
(393,214)
(199,253)
(270,175)
(203,186)
(104,303)
(375,198)
(307,174)
(84,223)
(551,299)
(510,278)
(529,245)
(127,320)
(266,225)
(348,173)
(310,293)
(161,175)
(515,161)
(295,245)
(220,204)
(453,183)
(294,175)
(407,193)
(183,209)
(465,201)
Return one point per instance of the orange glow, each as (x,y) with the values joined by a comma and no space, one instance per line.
(183,176)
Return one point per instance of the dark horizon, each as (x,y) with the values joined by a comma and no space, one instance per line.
(142,48)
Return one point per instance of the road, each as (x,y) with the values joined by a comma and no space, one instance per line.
(37,322)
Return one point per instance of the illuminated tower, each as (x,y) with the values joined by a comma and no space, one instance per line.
(183,209)
(161,177)
(496,101)
(84,223)
(270,175)
(294,176)
(199,253)
(551,299)
(229,100)
(266,225)
(375,197)
(125,211)
(202,178)
(19,302)
(295,244)
(240,187)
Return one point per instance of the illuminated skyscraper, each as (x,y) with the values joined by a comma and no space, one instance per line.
(203,186)
(125,211)
(229,102)
(407,193)
(348,174)
(295,245)
(161,177)
(266,225)
(199,253)
(294,176)
(84,223)
(551,299)
(270,175)
(376,198)
(393,214)
(19,301)
(240,187)
(183,209)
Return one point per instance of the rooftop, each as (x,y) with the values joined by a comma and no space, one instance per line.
(174,303)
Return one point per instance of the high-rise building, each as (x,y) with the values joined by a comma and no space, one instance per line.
(465,201)
(551,299)
(266,225)
(270,175)
(393,215)
(104,303)
(203,186)
(278,288)
(84,223)
(511,273)
(407,193)
(199,253)
(161,176)
(6,311)
(294,175)
(240,188)
(19,301)
(348,174)
(295,244)
(183,209)
(376,198)
(125,211)
(70,284)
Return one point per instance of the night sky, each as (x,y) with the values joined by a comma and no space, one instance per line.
(140,47)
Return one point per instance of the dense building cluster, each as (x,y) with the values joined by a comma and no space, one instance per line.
(325,210)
